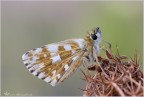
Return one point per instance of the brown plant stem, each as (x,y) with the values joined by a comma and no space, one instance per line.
(118,89)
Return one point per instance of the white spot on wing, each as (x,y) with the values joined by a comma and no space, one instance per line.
(26,61)
(66,67)
(56,59)
(75,58)
(30,65)
(48,79)
(53,83)
(35,72)
(52,48)
(58,76)
(67,47)
(34,67)
(45,55)
(24,56)
(41,65)
(80,42)
(53,72)
(31,69)
(38,50)
(53,54)
(73,51)
(35,58)
(41,75)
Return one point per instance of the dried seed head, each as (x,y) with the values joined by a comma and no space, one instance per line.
(116,76)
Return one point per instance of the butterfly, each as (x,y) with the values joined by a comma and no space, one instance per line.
(54,62)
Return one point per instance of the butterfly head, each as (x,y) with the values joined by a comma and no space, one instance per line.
(95,35)
(95,38)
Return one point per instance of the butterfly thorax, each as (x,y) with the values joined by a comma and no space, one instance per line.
(88,40)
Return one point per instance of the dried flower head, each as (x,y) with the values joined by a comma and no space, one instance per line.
(116,75)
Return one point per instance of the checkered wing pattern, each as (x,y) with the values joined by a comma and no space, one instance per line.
(55,62)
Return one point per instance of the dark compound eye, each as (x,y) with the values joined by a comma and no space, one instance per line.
(94,37)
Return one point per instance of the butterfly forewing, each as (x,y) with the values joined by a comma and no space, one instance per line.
(55,62)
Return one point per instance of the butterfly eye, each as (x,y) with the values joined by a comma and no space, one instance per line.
(94,37)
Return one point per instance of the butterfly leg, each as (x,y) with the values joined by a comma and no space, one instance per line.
(95,58)
(86,63)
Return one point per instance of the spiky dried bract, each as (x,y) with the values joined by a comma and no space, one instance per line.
(115,76)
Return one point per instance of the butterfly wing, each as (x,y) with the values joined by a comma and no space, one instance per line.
(55,62)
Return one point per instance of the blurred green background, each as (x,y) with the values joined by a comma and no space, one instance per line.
(30,24)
